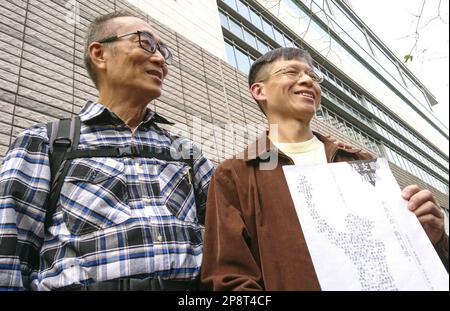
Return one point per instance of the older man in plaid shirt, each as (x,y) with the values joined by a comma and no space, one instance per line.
(121,223)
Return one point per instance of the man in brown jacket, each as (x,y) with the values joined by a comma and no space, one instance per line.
(253,238)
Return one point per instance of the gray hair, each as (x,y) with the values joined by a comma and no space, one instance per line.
(99,29)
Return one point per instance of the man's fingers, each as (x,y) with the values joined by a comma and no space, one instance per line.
(337,142)
(420,198)
(342,145)
(429,208)
(409,191)
(430,220)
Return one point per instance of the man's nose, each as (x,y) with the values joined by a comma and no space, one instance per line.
(304,78)
(157,57)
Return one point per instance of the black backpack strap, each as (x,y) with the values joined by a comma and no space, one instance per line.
(129,151)
(64,136)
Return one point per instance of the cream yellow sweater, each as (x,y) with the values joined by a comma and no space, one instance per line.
(310,152)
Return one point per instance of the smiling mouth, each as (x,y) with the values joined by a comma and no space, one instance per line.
(308,95)
(155,74)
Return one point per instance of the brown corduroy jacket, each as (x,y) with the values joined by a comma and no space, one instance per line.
(253,238)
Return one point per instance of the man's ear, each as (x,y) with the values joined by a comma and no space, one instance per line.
(97,54)
(258,91)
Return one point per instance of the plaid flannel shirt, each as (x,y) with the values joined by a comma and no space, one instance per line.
(115,218)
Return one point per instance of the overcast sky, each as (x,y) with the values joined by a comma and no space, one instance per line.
(393,20)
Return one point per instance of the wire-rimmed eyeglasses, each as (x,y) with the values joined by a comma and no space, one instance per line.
(295,74)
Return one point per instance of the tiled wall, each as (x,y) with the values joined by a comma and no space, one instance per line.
(42,77)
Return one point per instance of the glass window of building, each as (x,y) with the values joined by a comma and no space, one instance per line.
(242,60)
(231,4)
(346,24)
(256,20)
(393,155)
(279,37)
(243,9)
(236,28)
(268,30)
(388,154)
(414,90)
(224,20)
(396,126)
(319,11)
(289,43)
(387,64)
(230,54)
(250,39)
(415,171)
(262,47)
(403,131)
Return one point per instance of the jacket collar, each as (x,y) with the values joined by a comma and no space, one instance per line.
(263,147)
(94,112)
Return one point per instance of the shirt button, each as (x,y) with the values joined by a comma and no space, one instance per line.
(147,200)
(140,170)
(159,237)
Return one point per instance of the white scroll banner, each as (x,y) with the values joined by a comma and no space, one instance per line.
(359,231)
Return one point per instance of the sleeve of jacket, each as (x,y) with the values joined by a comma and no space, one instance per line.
(441,248)
(228,263)
(24,188)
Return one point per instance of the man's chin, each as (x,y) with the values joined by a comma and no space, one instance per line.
(306,112)
(153,93)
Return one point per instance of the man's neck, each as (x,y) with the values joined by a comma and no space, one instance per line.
(290,131)
(129,110)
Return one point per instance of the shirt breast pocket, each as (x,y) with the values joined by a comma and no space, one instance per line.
(94,195)
(177,191)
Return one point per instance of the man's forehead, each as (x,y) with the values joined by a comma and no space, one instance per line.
(130,24)
(297,62)
(283,63)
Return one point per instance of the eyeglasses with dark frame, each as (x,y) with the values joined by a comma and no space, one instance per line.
(294,73)
(146,41)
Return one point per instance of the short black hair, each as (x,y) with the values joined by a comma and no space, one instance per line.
(273,56)
(99,29)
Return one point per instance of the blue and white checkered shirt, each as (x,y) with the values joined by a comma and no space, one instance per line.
(116,217)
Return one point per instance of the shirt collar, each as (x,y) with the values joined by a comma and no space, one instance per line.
(94,112)
(263,147)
